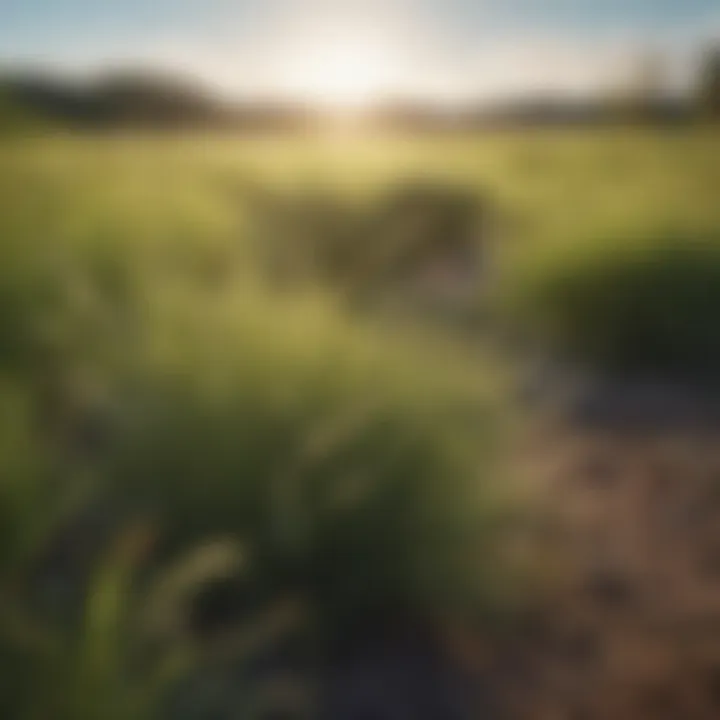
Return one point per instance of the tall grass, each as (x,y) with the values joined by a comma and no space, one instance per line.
(342,464)
(150,377)
(153,378)
(639,305)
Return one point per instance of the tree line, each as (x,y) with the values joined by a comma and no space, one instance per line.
(166,101)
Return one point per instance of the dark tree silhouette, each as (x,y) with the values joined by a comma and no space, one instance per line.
(709,90)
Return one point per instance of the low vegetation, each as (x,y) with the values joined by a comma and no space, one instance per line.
(626,305)
(201,466)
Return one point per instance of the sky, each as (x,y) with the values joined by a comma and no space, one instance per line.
(350,51)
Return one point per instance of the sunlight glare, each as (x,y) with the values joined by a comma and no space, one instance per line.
(345,69)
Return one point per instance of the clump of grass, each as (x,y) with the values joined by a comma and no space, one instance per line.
(637,305)
(363,245)
(355,472)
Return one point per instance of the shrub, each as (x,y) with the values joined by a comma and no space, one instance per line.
(321,236)
(636,305)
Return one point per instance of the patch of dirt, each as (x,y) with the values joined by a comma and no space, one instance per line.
(629,625)
(623,617)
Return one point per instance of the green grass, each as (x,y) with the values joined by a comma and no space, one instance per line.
(148,364)
(627,305)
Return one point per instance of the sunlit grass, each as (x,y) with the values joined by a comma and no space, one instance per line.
(148,364)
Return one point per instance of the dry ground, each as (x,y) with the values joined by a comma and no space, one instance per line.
(630,623)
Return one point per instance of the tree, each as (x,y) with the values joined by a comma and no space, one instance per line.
(153,99)
(709,89)
(648,85)
(640,90)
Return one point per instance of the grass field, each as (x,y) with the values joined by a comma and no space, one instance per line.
(202,464)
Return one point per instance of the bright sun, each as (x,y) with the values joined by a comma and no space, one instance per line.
(341,68)
(345,76)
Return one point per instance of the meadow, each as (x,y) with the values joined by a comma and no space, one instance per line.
(224,466)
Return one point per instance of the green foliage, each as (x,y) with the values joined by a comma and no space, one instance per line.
(14,118)
(345,464)
(150,374)
(709,89)
(153,376)
(361,246)
(640,305)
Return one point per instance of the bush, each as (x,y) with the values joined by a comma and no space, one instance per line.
(319,236)
(641,305)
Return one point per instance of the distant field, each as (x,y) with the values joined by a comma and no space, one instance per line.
(194,199)
(552,182)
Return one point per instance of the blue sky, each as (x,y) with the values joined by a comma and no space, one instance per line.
(583,15)
(455,45)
